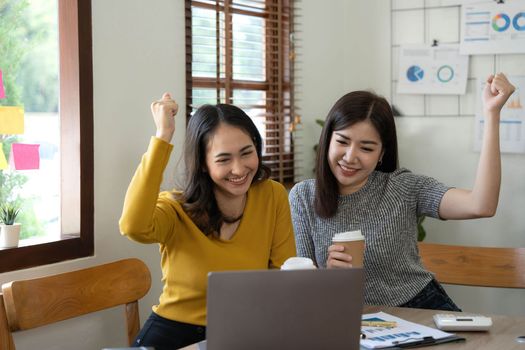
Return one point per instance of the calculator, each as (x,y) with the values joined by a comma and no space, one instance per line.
(463,322)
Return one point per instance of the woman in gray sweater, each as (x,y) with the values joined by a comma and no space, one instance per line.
(358,186)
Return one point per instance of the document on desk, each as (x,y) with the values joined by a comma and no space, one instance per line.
(403,334)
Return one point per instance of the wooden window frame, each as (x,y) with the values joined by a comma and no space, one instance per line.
(76,148)
(283,116)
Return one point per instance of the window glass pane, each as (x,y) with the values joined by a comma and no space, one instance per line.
(204,96)
(204,43)
(248,48)
(204,46)
(253,103)
(249,99)
(35,86)
(42,190)
(249,5)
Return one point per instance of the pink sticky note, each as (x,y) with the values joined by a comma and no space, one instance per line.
(3,161)
(24,156)
(2,91)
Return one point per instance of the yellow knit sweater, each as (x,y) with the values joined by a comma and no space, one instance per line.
(264,238)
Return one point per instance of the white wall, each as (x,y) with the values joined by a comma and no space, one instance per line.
(139,52)
(335,56)
(318,70)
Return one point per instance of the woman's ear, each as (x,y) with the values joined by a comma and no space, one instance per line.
(380,161)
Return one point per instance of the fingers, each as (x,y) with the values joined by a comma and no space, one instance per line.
(335,248)
(500,85)
(165,105)
(337,258)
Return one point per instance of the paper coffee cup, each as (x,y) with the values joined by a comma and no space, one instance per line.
(298,263)
(354,243)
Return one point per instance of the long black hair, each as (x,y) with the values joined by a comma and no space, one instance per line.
(197,197)
(350,109)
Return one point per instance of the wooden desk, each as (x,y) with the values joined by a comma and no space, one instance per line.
(502,335)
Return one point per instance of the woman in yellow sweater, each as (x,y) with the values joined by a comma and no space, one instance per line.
(228,216)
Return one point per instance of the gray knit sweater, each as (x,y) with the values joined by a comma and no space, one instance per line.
(385,209)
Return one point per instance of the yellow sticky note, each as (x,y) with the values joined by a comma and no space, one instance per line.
(3,161)
(11,120)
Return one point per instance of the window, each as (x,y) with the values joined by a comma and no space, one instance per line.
(75,238)
(240,52)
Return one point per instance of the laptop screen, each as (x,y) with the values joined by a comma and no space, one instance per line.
(273,309)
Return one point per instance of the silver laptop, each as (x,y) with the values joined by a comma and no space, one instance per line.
(273,309)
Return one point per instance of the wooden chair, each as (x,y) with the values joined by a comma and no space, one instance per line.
(31,303)
(475,266)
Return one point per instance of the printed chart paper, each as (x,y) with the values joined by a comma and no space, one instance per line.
(432,70)
(492,28)
(403,333)
(11,120)
(512,120)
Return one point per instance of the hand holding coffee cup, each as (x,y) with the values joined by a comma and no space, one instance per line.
(347,250)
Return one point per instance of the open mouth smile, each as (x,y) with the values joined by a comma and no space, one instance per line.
(238,180)
(348,171)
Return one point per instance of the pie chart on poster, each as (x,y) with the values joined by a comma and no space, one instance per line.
(518,22)
(445,73)
(415,73)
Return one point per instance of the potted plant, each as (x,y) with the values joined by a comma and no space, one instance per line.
(9,229)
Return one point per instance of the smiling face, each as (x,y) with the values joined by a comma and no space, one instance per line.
(353,154)
(231,161)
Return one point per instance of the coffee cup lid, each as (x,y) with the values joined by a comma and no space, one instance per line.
(298,263)
(348,236)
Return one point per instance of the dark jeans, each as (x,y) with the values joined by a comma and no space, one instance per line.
(164,334)
(433,296)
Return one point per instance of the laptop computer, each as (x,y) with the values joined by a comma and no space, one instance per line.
(273,309)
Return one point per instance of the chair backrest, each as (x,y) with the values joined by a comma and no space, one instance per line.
(31,303)
(475,266)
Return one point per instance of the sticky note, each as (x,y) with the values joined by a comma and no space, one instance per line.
(11,120)
(3,161)
(2,91)
(24,156)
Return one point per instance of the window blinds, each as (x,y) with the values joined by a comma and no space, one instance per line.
(241,52)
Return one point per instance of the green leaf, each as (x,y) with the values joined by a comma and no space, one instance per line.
(8,213)
(421,233)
